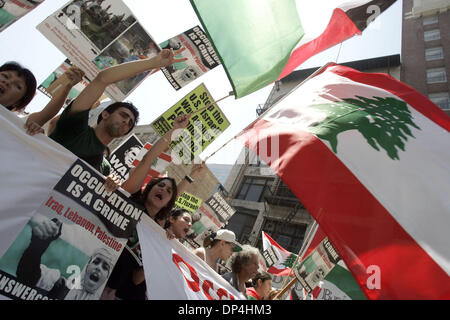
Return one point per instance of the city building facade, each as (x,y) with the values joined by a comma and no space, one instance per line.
(426,49)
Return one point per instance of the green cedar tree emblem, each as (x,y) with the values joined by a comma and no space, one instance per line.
(289,261)
(384,122)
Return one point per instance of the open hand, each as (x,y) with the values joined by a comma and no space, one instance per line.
(196,169)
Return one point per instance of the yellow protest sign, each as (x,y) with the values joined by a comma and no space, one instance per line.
(188,201)
(203,128)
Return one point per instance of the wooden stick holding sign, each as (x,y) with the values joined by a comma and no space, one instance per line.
(300,254)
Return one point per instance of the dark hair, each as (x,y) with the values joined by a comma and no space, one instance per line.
(30,82)
(116,105)
(263,275)
(175,213)
(210,240)
(164,212)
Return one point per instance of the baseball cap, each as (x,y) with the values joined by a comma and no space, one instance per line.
(228,236)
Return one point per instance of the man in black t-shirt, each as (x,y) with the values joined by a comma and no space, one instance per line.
(72,129)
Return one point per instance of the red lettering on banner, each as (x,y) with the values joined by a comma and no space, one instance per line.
(194,284)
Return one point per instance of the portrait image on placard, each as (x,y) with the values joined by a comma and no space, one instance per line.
(200,55)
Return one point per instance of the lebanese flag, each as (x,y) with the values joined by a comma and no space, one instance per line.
(261,41)
(285,258)
(369,158)
(158,166)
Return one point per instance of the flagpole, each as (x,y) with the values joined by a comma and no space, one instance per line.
(311,76)
(215,102)
(300,254)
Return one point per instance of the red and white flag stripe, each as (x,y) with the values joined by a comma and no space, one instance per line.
(377,211)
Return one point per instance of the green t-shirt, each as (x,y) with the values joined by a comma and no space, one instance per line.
(74,133)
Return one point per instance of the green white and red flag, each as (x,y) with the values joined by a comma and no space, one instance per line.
(261,41)
(285,259)
(369,158)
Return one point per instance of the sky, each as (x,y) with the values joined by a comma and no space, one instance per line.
(165,19)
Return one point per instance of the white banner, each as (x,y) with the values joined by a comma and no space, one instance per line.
(173,272)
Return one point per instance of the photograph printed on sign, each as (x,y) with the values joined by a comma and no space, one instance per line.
(199,52)
(122,158)
(95,35)
(99,21)
(58,255)
(134,44)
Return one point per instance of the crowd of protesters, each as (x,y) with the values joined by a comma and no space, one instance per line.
(70,129)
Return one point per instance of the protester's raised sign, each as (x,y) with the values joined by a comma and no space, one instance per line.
(203,128)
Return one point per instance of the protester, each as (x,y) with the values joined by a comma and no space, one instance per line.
(127,280)
(37,120)
(17,86)
(178,224)
(118,119)
(261,286)
(217,246)
(244,266)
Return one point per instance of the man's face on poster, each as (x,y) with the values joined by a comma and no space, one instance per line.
(130,155)
(319,275)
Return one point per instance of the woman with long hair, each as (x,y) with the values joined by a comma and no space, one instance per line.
(127,281)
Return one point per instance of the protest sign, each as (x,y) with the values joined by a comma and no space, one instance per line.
(122,158)
(220,208)
(203,128)
(200,55)
(13,10)
(173,272)
(57,226)
(315,267)
(210,217)
(188,201)
(96,36)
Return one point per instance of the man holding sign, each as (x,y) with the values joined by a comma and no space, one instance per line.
(72,129)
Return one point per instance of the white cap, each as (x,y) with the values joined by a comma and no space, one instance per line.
(228,236)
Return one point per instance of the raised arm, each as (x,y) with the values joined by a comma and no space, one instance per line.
(120,72)
(196,170)
(137,177)
(70,78)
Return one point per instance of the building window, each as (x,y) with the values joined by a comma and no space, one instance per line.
(289,236)
(241,223)
(430,35)
(436,75)
(434,54)
(430,20)
(442,99)
(254,189)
